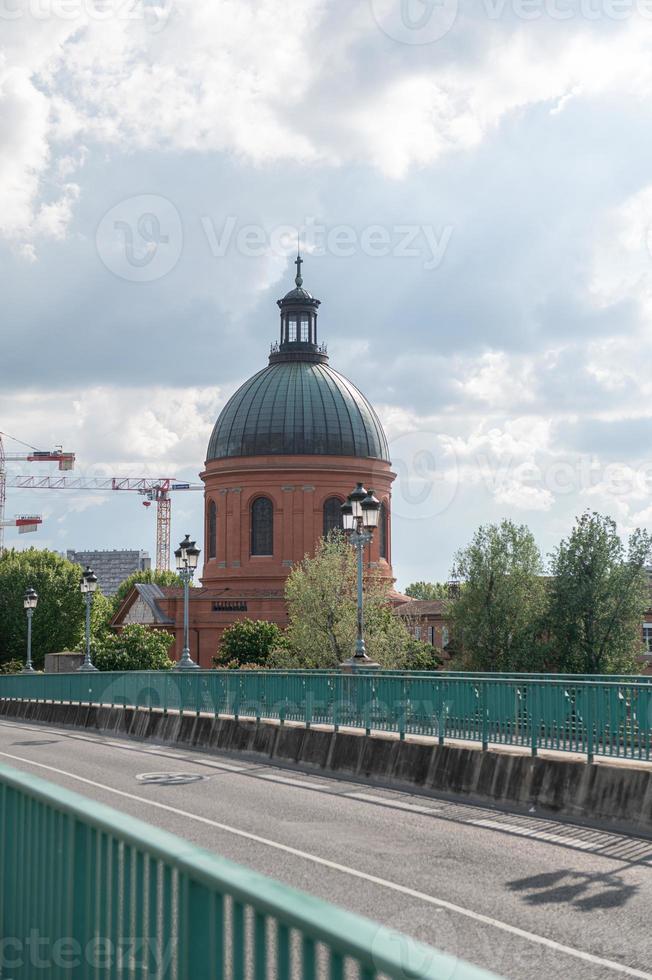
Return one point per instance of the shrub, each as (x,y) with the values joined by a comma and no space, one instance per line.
(248,643)
(134,648)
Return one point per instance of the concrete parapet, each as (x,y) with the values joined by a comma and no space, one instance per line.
(614,795)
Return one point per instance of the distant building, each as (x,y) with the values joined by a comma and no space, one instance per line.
(111,567)
(427,620)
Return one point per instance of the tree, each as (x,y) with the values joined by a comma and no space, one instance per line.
(428,590)
(598,597)
(248,643)
(497,617)
(134,648)
(321,596)
(58,621)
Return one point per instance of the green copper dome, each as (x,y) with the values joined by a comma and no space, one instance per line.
(298,405)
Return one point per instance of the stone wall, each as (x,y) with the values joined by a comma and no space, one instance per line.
(617,797)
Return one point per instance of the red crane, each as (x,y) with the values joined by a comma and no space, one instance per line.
(26,522)
(152,489)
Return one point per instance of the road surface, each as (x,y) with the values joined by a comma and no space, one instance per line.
(523,896)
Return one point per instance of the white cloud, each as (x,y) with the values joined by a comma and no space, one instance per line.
(117,431)
(261,80)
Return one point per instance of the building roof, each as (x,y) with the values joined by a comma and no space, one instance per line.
(298,405)
(298,408)
(422,607)
(150,594)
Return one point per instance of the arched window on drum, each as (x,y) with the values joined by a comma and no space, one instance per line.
(262,527)
(333,515)
(383,532)
(212,529)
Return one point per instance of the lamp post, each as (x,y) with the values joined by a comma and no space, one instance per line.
(87,587)
(187,556)
(360,518)
(30,600)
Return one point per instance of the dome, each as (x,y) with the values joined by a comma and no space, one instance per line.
(298,407)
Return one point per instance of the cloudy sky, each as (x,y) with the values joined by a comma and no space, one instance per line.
(473,184)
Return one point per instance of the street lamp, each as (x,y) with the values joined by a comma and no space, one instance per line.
(30,600)
(87,587)
(187,556)
(360,516)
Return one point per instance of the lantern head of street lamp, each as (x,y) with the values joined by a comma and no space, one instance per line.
(347,515)
(356,499)
(370,511)
(88,581)
(30,599)
(192,551)
(187,555)
(179,559)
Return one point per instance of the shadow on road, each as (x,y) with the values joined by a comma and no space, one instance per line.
(583,891)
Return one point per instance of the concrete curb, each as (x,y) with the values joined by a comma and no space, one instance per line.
(614,796)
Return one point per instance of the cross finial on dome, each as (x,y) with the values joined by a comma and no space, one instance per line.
(299,262)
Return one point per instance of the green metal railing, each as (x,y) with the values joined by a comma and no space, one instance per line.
(596,717)
(88,892)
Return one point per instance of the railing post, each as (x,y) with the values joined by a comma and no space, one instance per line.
(308,699)
(589,726)
(533,699)
(483,708)
(236,703)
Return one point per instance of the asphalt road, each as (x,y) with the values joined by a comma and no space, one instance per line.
(522,896)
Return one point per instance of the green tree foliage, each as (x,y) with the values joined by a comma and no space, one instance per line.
(497,617)
(420,655)
(248,643)
(134,648)
(58,620)
(151,575)
(321,597)
(101,613)
(598,596)
(428,590)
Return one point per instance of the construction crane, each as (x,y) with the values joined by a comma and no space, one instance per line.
(24,522)
(65,461)
(154,490)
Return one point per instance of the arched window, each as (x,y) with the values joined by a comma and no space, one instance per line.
(382,531)
(333,515)
(262,527)
(212,529)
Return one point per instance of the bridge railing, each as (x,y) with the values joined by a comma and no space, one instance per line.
(596,717)
(86,891)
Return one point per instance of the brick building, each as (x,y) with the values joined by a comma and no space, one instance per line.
(426,620)
(286,450)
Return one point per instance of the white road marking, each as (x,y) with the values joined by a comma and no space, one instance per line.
(354,873)
(272,777)
(395,804)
